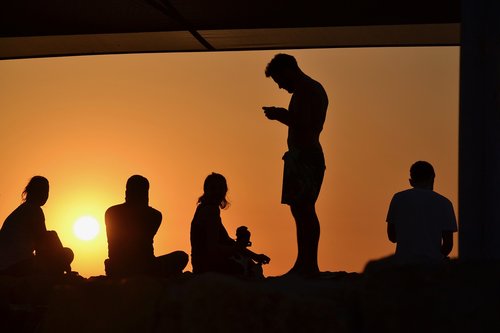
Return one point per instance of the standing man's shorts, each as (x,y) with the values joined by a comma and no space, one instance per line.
(302,176)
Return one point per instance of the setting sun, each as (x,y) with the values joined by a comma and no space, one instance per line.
(86,228)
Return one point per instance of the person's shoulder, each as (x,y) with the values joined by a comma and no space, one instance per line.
(425,195)
(442,199)
(115,208)
(403,194)
(312,86)
(317,85)
(207,209)
(29,208)
(408,196)
(115,211)
(154,212)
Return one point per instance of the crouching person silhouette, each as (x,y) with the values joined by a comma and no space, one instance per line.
(130,229)
(26,246)
(212,250)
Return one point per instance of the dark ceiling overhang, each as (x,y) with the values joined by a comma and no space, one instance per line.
(33,28)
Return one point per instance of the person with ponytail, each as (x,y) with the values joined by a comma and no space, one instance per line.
(26,246)
(212,250)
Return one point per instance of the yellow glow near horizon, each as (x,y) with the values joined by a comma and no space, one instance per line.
(86,228)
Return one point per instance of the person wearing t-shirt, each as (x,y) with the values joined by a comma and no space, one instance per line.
(420,221)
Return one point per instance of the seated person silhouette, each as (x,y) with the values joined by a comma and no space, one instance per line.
(130,229)
(26,247)
(212,250)
(251,268)
(420,221)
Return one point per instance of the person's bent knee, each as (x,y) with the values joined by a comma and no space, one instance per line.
(181,258)
(68,255)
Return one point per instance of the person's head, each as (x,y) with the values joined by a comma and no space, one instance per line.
(284,70)
(137,190)
(422,175)
(214,191)
(243,236)
(37,191)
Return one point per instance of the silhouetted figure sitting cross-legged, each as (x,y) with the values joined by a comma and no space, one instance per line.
(212,250)
(420,221)
(130,229)
(26,247)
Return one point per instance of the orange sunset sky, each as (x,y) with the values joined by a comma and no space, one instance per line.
(88,123)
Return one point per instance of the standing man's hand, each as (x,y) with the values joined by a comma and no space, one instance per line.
(274,113)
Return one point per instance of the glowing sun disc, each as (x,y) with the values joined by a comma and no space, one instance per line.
(86,228)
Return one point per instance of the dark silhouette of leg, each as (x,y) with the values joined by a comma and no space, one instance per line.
(308,231)
(172,263)
(52,257)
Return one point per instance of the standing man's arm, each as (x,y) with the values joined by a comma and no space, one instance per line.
(218,247)
(275,113)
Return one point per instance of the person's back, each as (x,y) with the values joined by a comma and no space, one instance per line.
(131,229)
(308,107)
(420,221)
(26,247)
(419,217)
(198,234)
(208,239)
(21,234)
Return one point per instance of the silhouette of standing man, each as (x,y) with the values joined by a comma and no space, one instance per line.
(304,163)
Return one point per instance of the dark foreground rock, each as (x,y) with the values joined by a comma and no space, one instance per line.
(456,297)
